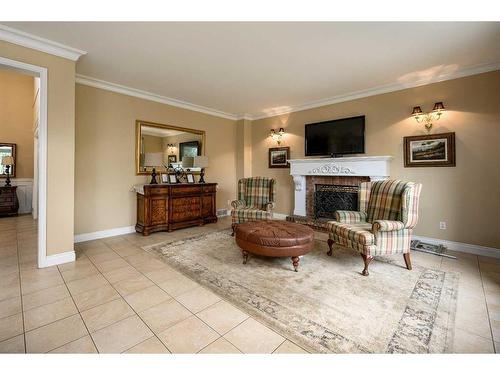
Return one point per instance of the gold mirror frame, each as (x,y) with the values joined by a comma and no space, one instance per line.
(138,136)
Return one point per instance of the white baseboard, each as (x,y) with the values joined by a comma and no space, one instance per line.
(103,234)
(462,247)
(61,258)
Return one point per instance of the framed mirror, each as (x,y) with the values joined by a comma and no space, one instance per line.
(8,149)
(161,145)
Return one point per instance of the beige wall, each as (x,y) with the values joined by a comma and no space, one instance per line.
(105,154)
(61,142)
(466,196)
(16,118)
(244,149)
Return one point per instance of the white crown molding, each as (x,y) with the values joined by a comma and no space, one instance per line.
(21,38)
(114,87)
(384,89)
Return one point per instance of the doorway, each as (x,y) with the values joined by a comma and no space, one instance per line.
(40,152)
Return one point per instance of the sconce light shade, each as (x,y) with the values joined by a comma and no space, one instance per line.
(416,111)
(438,107)
(281,131)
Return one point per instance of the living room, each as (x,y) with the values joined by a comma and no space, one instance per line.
(250,187)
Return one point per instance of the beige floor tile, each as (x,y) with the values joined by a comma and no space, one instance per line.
(151,265)
(54,335)
(495,328)
(198,299)
(124,273)
(128,250)
(106,314)
(222,317)
(8,291)
(79,273)
(12,345)
(467,343)
(84,345)
(189,336)
(139,258)
(147,298)
(111,265)
(253,337)
(150,346)
(122,335)
(164,315)
(45,296)
(34,284)
(178,285)
(133,285)
(220,346)
(289,347)
(95,297)
(86,284)
(11,326)
(162,275)
(93,244)
(10,307)
(46,314)
(82,261)
(103,257)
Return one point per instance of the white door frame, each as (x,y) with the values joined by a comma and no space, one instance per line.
(40,72)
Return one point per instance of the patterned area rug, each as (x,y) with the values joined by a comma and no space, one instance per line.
(327,306)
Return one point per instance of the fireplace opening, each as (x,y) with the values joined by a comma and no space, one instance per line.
(330,198)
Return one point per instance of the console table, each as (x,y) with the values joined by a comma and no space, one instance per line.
(163,207)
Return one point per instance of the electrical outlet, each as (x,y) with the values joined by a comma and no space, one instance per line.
(442,225)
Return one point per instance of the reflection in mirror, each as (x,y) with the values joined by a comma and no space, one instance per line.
(8,150)
(159,146)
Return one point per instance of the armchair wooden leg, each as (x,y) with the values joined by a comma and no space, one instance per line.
(367,259)
(233,227)
(407,260)
(330,245)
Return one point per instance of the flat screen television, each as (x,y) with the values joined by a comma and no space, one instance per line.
(336,137)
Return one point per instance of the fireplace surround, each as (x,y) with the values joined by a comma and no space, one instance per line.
(347,171)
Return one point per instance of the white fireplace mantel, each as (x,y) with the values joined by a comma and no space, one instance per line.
(375,167)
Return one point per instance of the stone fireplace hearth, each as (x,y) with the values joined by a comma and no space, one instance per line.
(309,174)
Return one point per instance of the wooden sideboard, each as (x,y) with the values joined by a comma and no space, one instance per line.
(9,205)
(170,207)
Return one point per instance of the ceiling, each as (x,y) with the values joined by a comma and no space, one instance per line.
(264,68)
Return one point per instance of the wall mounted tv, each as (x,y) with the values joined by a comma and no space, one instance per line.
(336,137)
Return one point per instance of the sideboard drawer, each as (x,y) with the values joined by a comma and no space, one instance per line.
(185,190)
(159,190)
(209,189)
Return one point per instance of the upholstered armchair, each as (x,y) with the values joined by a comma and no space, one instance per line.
(388,212)
(255,200)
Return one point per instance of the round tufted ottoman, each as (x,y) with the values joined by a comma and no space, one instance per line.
(274,239)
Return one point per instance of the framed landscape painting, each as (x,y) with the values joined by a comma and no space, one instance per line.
(436,150)
(278,157)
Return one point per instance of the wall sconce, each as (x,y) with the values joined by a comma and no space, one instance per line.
(428,118)
(277,135)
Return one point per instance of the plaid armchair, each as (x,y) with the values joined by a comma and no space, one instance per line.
(255,200)
(388,212)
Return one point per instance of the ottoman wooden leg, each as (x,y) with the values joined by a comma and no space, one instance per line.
(295,261)
(330,245)
(367,259)
(245,256)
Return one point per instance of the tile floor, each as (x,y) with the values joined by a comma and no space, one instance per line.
(116,298)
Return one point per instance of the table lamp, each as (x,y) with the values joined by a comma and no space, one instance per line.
(7,161)
(153,159)
(201,162)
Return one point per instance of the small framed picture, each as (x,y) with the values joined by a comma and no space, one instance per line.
(190,178)
(436,150)
(164,178)
(172,179)
(278,157)
(172,159)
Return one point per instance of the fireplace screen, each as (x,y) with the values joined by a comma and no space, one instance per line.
(330,198)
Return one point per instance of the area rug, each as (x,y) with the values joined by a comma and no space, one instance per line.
(327,307)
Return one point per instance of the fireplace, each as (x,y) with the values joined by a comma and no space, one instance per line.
(330,198)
